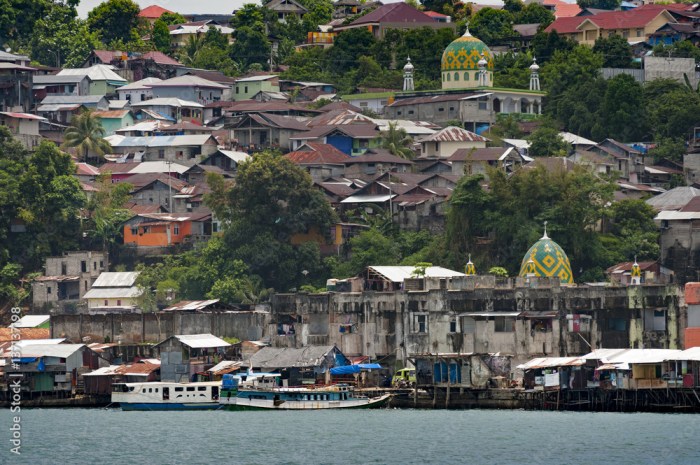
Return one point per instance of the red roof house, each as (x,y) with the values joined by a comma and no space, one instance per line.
(394,16)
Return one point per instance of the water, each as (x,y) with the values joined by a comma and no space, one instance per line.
(406,437)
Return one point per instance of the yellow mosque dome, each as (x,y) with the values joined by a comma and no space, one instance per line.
(547,259)
(462,61)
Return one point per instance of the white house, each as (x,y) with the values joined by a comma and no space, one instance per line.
(114,291)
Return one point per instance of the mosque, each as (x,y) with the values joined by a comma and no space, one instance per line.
(545,259)
(468,94)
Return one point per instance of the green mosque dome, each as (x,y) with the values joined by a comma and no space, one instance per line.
(547,259)
(464,53)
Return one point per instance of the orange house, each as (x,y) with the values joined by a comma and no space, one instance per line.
(166,229)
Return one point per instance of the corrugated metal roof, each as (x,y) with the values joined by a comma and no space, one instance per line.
(33,342)
(454,134)
(31,321)
(202,341)
(368,198)
(95,73)
(159,141)
(22,115)
(674,199)
(135,369)
(116,279)
(226,366)
(272,357)
(113,293)
(688,354)
(552,362)
(631,356)
(51,350)
(238,157)
(188,80)
(139,85)
(167,102)
(398,274)
(24,334)
(191,305)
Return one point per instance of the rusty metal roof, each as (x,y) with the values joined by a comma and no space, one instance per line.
(454,134)
(24,333)
(552,362)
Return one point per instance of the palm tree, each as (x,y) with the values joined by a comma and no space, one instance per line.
(397,141)
(86,135)
(189,53)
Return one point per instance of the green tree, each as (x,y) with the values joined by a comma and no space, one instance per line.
(397,141)
(616,51)
(534,13)
(107,212)
(161,36)
(492,26)
(170,19)
(252,16)
(251,46)
(189,53)
(545,44)
(271,202)
(348,47)
(545,141)
(672,108)
(115,20)
(466,219)
(513,6)
(622,109)
(86,134)
(669,149)
(599,4)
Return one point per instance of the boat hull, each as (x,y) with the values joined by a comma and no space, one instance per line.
(171,406)
(243,404)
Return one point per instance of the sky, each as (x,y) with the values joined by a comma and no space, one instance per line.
(179,6)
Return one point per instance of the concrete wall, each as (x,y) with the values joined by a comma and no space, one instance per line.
(156,327)
(383,324)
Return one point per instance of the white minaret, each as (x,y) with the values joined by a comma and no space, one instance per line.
(483,77)
(534,75)
(408,76)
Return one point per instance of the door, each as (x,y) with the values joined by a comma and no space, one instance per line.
(166,393)
(215,392)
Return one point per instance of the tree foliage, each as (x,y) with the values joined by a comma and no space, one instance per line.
(272,202)
(616,51)
(115,20)
(86,134)
(492,26)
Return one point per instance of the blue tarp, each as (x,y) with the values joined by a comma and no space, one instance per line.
(24,360)
(352,369)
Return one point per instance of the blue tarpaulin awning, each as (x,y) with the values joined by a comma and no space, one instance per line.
(352,369)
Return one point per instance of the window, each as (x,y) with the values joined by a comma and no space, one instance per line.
(410,112)
(482,104)
(48,289)
(448,76)
(134,230)
(106,302)
(119,302)
(190,388)
(64,268)
(83,266)
(441,109)
(94,265)
(626,33)
(201,388)
(85,286)
(237,89)
(146,229)
(161,153)
(245,89)
(102,264)
(178,389)
(466,76)
(363,104)
(504,324)
(176,230)
(453,325)
(617,324)
(640,32)
(452,108)
(456,76)
(420,323)
(178,154)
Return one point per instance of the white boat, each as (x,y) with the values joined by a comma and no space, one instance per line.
(256,394)
(167,396)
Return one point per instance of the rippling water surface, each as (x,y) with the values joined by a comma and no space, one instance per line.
(475,437)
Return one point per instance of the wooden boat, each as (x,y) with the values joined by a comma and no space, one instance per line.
(256,394)
(167,396)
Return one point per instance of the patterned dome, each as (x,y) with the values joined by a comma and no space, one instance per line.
(547,259)
(464,53)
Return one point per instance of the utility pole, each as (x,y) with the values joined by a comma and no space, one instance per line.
(170,187)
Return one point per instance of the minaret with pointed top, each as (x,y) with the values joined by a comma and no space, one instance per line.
(636,275)
(470,269)
(483,76)
(534,75)
(408,76)
(545,236)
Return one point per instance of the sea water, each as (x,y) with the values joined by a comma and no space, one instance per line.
(386,436)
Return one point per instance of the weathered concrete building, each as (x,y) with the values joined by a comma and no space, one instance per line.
(67,279)
(483,316)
